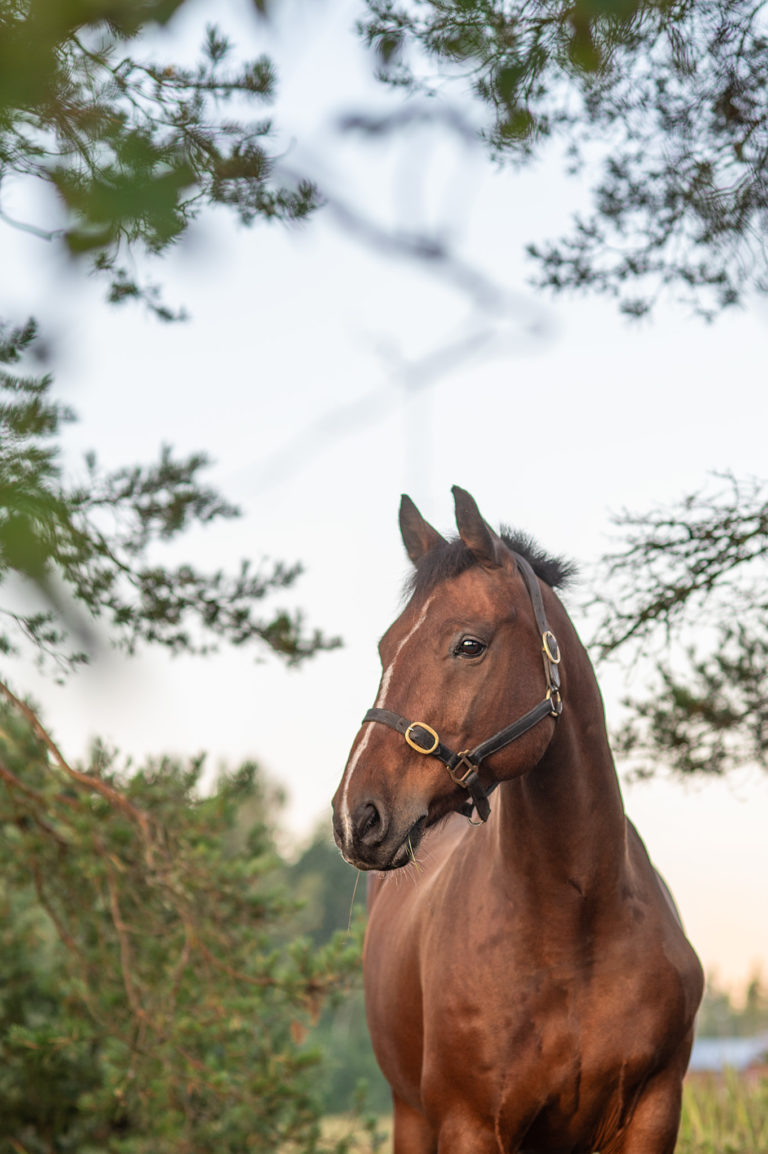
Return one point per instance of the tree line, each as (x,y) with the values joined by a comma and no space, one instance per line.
(724,1016)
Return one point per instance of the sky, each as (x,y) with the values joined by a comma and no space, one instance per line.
(325,377)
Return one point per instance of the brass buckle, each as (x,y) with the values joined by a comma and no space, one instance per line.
(429,730)
(550,646)
(464,759)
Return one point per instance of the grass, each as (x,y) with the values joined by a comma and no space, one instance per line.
(376,1139)
(726,1115)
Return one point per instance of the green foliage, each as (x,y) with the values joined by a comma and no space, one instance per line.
(136,148)
(710,717)
(150,1000)
(350,1073)
(333,898)
(333,894)
(96,540)
(156,998)
(519,58)
(695,568)
(156,994)
(133,147)
(671,94)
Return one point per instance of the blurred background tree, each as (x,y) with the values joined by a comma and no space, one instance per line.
(719,1017)
(153,997)
(685,590)
(333,901)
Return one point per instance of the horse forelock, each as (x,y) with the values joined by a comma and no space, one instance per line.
(453,558)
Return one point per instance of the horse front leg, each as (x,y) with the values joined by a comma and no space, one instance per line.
(655,1120)
(458,1135)
(466,1136)
(412,1133)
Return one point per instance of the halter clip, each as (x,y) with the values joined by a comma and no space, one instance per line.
(464,759)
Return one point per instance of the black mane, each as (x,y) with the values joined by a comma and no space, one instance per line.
(453,557)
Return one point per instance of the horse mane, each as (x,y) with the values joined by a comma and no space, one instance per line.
(453,557)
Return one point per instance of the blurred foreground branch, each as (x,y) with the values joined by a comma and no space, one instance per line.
(87,551)
(659,108)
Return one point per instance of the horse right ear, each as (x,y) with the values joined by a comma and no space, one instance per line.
(418,535)
(476,533)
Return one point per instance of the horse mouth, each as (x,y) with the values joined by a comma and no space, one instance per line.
(406,853)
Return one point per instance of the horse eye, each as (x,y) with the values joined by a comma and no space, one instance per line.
(470,647)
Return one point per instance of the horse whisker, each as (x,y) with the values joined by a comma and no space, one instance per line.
(352,902)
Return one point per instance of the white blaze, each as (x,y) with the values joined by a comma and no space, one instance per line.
(386,680)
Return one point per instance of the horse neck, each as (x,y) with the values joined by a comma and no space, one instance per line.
(564,819)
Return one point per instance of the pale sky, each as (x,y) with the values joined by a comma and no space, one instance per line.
(294,374)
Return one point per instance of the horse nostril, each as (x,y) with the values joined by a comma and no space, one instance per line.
(369,824)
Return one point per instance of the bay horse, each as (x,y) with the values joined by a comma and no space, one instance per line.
(528,983)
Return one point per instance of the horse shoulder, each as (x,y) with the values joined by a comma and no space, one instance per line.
(665,954)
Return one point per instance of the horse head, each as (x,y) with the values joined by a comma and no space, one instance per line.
(469,694)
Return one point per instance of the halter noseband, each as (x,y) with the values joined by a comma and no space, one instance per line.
(464,767)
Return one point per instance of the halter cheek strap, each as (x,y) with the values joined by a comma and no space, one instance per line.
(464,767)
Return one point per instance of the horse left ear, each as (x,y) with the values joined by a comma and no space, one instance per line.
(418,535)
(475,532)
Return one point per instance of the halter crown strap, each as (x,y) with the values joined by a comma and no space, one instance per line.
(464,767)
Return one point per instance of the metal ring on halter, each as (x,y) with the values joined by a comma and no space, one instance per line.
(550,646)
(428,729)
(555,701)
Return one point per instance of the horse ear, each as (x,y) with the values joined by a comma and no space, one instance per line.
(418,535)
(475,532)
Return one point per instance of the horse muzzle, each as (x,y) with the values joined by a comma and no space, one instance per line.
(373,837)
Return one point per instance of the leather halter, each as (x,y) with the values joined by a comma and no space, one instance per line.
(464,767)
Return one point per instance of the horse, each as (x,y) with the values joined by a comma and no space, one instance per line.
(528,983)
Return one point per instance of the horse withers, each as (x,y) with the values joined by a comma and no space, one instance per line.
(528,983)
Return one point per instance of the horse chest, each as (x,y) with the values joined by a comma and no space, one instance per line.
(488,999)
